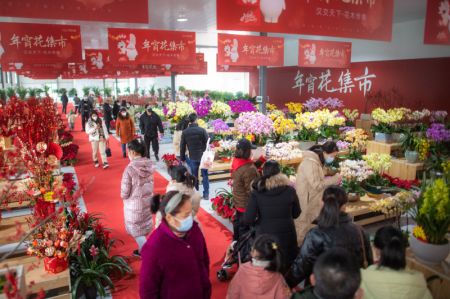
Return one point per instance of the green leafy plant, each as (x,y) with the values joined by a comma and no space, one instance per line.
(2,94)
(288,170)
(73,92)
(46,89)
(160,93)
(142,91)
(32,92)
(107,91)
(38,91)
(226,153)
(409,141)
(307,135)
(181,88)
(128,90)
(118,91)
(152,90)
(22,92)
(86,91)
(97,91)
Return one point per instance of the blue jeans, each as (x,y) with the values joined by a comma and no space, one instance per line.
(124,149)
(194,167)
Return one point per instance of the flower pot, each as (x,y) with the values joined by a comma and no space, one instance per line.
(353,197)
(366,116)
(429,254)
(383,137)
(411,156)
(225,160)
(305,145)
(90,292)
(397,137)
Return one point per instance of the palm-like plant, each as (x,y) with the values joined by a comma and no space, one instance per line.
(96,91)
(86,90)
(128,90)
(22,92)
(107,92)
(46,89)
(152,90)
(10,92)
(72,92)
(2,94)
(32,92)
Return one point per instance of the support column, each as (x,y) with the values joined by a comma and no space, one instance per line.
(263,83)
(1,77)
(172,85)
(115,89)
(104,83)
(11,80)
(136,87)
(18,80)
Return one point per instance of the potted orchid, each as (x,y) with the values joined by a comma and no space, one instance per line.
(226,150)
(357,142)
(241,106)
(410,144)
(376,184)
(219,110)
(385,121)
(438,148)
(254,123)
(353,173)
(283,128)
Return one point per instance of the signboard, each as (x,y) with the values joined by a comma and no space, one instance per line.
(317,53)
(97,60)
(437,22)
(234,68)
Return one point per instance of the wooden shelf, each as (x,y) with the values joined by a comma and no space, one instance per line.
(8,229)
(382,148)
(363,214)
(400,168)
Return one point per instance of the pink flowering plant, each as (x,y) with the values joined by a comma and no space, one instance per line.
(254,123)
(354,172)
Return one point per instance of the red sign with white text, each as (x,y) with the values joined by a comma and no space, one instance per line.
(85,10)
(145,46)
(234,68)
(97,60)
(199,68)
(19,66)
(318,53)
(437,22)
(250,50)
(366,19)
(43,43)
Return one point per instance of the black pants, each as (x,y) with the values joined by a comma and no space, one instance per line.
(76,109)
(239,226)
(108,125)
(155,145)
(64,108)
(84,119)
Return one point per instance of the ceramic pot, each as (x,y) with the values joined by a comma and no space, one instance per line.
(353,197)
(397,137)
(411,156)
(429,254)
(383,137)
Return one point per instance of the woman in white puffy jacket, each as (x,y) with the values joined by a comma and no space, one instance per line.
(98,136)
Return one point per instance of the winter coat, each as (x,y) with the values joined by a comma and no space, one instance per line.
(174,267)
(310,184)
(136,191)
(86,107)
(392,284)
(107,111)
(242,180)
(115,110)
(318,240)
(64,99)
(251,282)
(180,187)
(76,101)
(94,132)
(176,141)
(125,129)
(195,139)
(150,124)
(273,212)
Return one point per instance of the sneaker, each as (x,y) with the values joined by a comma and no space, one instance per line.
(105,165)
(157,158)
(205,197)
(124,155)
(136,253)
(96,165)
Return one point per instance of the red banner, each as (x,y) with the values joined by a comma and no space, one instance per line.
(250,50)
(19,66)
(366,19)
(437,23)
(85,10)
(317,53)
(199,68)
(97,60)
(234,68)
(144,46)
(20,42)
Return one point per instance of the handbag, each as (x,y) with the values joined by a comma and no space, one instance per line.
(108,150)
(207,158)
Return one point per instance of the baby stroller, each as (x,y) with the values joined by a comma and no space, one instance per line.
(238,252)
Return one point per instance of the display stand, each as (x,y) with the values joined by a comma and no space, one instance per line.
(218,172)
(366,125)
(400,168)
(382,148)
(363,214)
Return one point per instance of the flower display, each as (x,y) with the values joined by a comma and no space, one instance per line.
(294,108)
(379,163)
(219,110)
(220,127)
(176,111)
(394,205)
(223,204)
(419,233)
(386,117)
(202,106)
(170,160)
(357,139)
(357,170)
(314,104)
(323,122)
(438,116)
(418,115)
(283,126)
(271,107)
(404,184)
(342,145)
(254,123)
(274,114)
(423,147)
(202,124)
(438,133)
(283,151)
(70,153)
(351,115)
(240,106)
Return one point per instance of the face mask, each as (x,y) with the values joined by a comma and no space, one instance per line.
(94,118)
(259,263)
(329,160)
(185,224)
(149,110)
(124,114)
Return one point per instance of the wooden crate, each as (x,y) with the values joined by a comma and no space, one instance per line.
(362,214)
(382,148)
(366,125)
(218,172)
(8,229)
(400,168)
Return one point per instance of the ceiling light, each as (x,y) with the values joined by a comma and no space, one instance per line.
(182,19)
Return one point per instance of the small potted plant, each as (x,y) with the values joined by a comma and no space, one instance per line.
(376,184)
(354,172)
(409,144)
(223,204)
(225,155)
(384,126)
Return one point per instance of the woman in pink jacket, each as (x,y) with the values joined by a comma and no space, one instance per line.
(136,192)
(260,278)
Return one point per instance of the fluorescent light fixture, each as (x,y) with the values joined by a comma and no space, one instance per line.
(182,19)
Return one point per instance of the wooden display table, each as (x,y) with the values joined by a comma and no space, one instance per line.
(8,229)
(400,168)
(440,286)
(382,148)
(363,214)
(219,171)
(366,125)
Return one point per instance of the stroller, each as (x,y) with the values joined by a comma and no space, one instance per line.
(238,252)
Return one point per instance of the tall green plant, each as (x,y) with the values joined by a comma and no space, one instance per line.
(86,90)
(73,92)
(32,92)
(409,141)
(107,91)
(46,89)
(128,90)
(10,92)
(96,90)
(152,90)
(2,94)
(22,92)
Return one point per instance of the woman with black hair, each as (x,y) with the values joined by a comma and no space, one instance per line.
(335,228)
(175,260)
(389,279)
(98,136)
(136,192)
(272,209)
(311,182)
(261,278)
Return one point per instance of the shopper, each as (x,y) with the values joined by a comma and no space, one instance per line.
(125,129)
(116,109)
(150,123)
(335,276)
(335,229)
(272,209)
(98,136)
(389,279)
(85,110)
(77,102)
(195,139)
(260,278)
(243,173)
(310,184)
(136,192)
(175,261)
(180,127)
(184,182)
(64,101)
(71,119)
(107,114)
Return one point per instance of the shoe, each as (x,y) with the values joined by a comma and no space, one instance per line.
(96,165)
(124,155)
(206,197)
(157,158)
(105,165)
(136,253)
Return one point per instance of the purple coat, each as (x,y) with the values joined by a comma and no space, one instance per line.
(173,267)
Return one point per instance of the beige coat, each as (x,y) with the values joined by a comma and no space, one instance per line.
(310,184)
(176,141)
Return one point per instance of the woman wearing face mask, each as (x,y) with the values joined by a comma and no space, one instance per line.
(175,261)
(311,182)
(98,136)
(125,129)
(136,191)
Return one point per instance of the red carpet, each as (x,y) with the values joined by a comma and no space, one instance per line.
(103,196)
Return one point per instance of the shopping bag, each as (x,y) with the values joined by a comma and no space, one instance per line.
(108,150)
(207,158)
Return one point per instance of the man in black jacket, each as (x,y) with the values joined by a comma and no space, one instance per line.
(85,110)
(150,123)
(64,101)
(77,101)
(195,139)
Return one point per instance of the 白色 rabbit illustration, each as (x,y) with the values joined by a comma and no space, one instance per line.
(272,9)
(131,48)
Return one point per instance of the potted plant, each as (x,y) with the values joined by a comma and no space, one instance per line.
(431,213)
(376,184)
(86,91)
(223,204)
(409,145)
(384,125)
(12,282)
(225,155)
(354,172)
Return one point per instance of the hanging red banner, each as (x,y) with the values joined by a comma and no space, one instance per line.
(437,22)
(84,10)
(199,68)
(19,66)
(250,50)
(21,42)
(366,19)
(145,46)
(318,53)
(234,68)
(97,60)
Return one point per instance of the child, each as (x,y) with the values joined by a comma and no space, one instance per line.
(260,278)
(71,118)
(182,181)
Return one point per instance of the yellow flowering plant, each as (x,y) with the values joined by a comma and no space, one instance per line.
(320,123)
(274,114)
(379,163)
(283,127)
(423,147)
(351,116)
(177,110)
(385,120)
(219,110)
(294,108)
(271,107)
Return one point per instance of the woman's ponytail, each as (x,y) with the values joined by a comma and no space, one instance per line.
(334,197)
(391,243)
(155,203)
(268,250)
